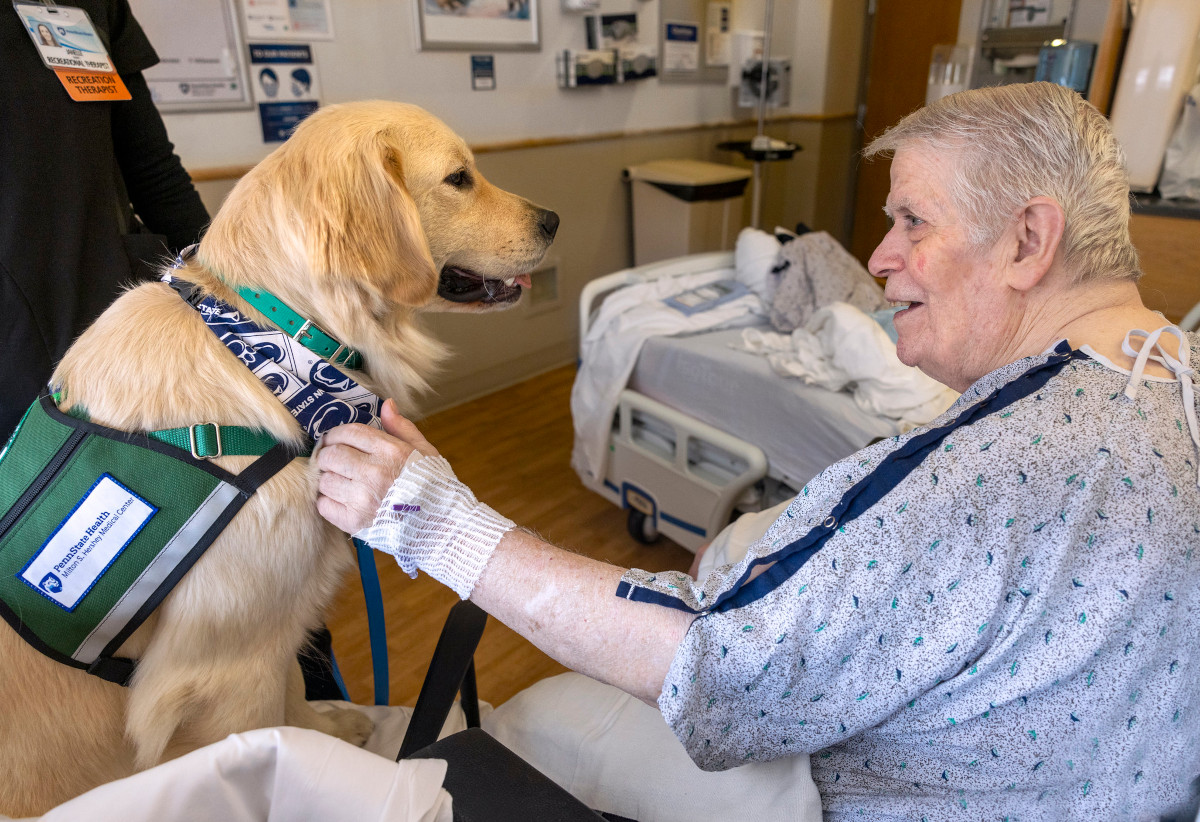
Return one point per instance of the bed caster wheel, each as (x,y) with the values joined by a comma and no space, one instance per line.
(641,527)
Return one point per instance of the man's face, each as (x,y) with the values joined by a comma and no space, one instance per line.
(270,85)
(958,321)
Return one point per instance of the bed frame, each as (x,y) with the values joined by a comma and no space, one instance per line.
(674,474)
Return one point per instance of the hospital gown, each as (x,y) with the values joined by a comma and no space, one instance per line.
(995,618)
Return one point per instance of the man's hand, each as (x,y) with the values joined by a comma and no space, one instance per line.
(560,601)
(359,464)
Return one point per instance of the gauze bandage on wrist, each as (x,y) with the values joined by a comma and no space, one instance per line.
(431,521)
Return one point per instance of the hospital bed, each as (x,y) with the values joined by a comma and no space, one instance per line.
(703,431)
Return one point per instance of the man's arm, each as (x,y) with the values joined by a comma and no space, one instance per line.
(562,602)
(566,605)
(159,188)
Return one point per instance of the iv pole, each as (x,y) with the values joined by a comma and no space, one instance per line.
(761,142)
(762,148)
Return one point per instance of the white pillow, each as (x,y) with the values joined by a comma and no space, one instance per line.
(753,258)
(616,754)
(730,546)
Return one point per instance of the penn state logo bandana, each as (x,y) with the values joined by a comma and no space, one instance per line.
(318,395)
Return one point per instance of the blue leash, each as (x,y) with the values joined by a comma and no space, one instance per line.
(375,624)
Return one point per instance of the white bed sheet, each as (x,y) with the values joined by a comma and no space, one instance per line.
(801,428)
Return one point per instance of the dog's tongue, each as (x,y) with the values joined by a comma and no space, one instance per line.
(524,281)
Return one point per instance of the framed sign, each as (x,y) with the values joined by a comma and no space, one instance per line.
(285,86)
(492,24)
(199,46)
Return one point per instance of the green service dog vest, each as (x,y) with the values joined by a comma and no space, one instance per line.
(99,525)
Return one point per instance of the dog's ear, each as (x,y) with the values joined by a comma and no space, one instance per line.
(362,227)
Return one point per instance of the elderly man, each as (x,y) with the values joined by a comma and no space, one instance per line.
(989,617)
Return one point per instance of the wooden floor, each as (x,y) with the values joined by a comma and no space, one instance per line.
(513,448)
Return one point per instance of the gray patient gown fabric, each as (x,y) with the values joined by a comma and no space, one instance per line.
(1007,633)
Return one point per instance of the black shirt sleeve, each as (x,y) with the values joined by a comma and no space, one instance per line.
(128,45)
(159,189)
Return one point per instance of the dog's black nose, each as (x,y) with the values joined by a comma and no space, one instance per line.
(548,223)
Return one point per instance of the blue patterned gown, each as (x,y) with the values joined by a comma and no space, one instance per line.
(992,617)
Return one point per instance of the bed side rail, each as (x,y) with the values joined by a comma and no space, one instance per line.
(691,473)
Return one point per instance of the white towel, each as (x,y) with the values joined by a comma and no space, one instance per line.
(271,775)
(625,320)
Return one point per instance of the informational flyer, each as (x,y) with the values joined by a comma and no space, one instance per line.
(288,19)
(200,65)
(681,46)
(285,86)
(311,19)
(483,72)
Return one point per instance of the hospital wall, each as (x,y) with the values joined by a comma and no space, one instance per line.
(581,181)
(566,148)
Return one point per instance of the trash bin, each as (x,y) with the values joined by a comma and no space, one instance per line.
(684,207)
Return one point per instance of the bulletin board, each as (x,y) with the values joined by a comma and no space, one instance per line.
(201,65)
(681,60)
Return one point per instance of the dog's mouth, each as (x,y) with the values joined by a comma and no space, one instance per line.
(461,285)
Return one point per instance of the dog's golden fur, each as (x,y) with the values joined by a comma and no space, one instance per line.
(350,223)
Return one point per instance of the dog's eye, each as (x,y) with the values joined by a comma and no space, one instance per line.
(459,179)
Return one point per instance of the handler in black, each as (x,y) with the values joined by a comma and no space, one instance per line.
(74,180)
(92,197)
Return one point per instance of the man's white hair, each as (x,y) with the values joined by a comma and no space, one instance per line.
(1012,143)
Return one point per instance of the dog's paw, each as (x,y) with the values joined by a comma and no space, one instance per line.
(353,726)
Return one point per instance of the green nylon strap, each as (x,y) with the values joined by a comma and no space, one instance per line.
(302,330)
(207,440)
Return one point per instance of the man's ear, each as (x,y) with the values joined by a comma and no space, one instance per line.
(1038,235)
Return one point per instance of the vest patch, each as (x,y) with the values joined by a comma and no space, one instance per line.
(87,542)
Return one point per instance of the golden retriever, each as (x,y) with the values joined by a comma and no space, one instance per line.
(367,215)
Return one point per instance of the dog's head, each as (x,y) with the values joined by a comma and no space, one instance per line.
(379,204)
(483,240)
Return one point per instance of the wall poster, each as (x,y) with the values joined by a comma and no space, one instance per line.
(288,19)
(199,48)
(470,24)
(285,86)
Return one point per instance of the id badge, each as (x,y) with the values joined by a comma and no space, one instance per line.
(65,37)
(69,45)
